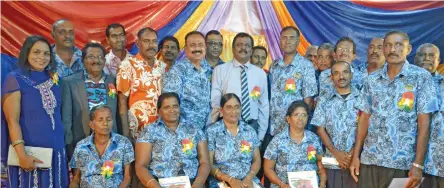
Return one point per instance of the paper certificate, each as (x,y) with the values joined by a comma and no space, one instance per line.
(175,182)
(329,161)
(225,185)
(400,182)
(303,179)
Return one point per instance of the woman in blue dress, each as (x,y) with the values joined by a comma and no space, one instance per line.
(294,149)
(31,97)
(234,148)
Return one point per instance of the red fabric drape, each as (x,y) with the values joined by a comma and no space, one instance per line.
(20,19)
(400,5)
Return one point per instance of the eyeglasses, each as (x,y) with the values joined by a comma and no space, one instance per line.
(344,50)
(94,58)
(299,115)
(231,108)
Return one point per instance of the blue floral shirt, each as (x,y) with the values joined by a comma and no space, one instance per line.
(291,156)
(95,92)
(394,106)
(86,158)
(289,83)
(233,155)
(434,162)
(326,84)
(76,63)
(339,117)
(173,150)
(194,89)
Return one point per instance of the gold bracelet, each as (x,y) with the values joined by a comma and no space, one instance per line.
(147,184)
(17,142)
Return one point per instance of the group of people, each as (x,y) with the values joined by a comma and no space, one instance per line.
(120,120)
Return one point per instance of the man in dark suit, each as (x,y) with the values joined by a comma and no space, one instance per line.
(84,90)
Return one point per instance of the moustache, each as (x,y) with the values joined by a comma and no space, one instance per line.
(342,80)
(196,51)
(244,51)
(375,54)
(151,49)
(392,54)
(168,54)
(68,40)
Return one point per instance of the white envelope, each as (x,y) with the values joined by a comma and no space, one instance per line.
(307,178)
(177,182)
(400,182)
(330,161)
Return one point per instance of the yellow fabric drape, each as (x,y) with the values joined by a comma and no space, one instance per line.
(286,20)
(227,52)
(193,22)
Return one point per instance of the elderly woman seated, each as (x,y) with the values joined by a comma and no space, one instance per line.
(102,159)
(294,149)
(171,147)
(233,146)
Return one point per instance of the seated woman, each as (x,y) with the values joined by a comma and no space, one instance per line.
(170,147)
(102,159)
(233,146)
(292,149)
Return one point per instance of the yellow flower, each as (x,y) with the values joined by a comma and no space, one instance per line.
(55,78)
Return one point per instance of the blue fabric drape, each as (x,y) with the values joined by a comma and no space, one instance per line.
(322,21)
(174,25)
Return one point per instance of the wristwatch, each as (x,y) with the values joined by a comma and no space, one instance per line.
(418,166)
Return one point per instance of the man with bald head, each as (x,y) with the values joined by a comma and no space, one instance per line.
(311,54)
(427,57)
(67,56)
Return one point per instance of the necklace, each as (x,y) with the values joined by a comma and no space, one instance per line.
(103,152)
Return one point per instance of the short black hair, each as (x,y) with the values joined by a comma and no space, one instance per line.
(402,33)
(26,49)
(291,28)
(169,38)
(113,26)
(261,48)
(242,35)
(296,104)
(213,32)
(164,96)
(348,39)
(92,45)
(227,97)
(145,29)
(92,113)
(193,33)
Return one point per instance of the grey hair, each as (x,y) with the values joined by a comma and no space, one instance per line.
(428,45)
(92,113)
(327,46)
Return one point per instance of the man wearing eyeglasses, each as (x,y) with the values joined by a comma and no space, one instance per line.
(116,38)
(345,50)
(190,78)
(67,56)
(336,119)
(169,49)
(214,42)
(84,90)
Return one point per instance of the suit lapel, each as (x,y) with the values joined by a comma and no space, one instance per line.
(81,92)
